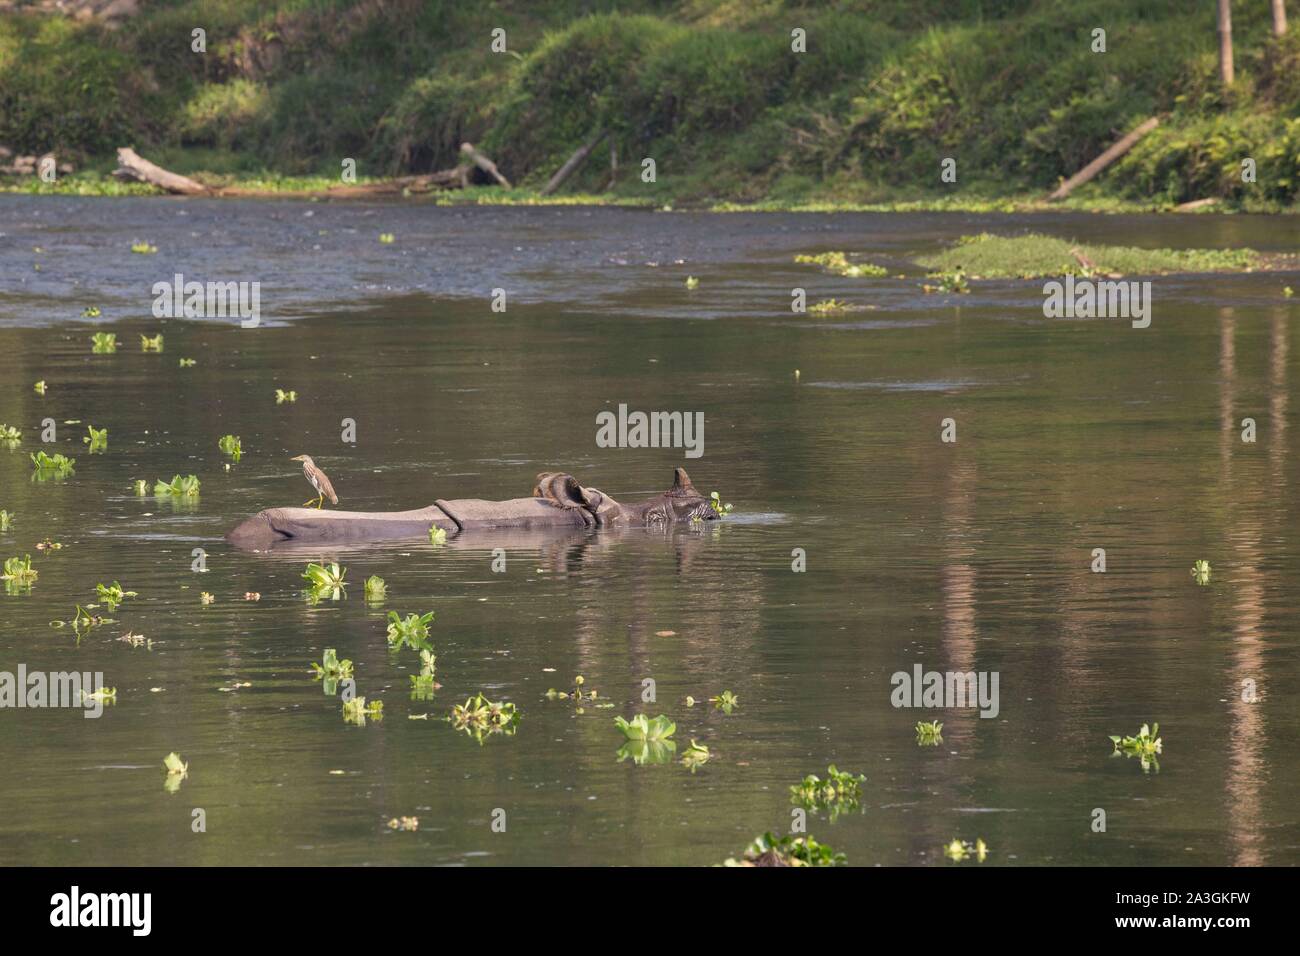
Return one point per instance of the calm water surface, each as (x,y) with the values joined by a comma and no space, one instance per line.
(1072,435)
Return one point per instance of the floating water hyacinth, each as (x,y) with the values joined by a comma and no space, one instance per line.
(692,282)
(1201,572)
(481,718)
(767,850)
(356,710)
(838,263)
(375,588)
(105,695)
(83,621)
(96,438)
(40,387)
(325,581)
(437,535)
(949,282)
(404,823)
(48,545)
(281,396)
(10,435)
(90,312)
(839,792)
(154,344)
(141,487)
(576,694)
(715,502)
(230,445)
(695,756)
(386,238)
(142,248)
(929,733)
(829,306)
(411,631)
(113,595)
(205,598)
(5,519)
(725,702)
(103,343)
(178,487)
(187,362)
(1145,746)
(51,466)
(19,573)
(177,770)
(641,727)
(960,850)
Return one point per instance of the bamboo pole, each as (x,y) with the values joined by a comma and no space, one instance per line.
(1117,150)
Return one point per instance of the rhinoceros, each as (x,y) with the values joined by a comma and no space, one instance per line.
(558,501)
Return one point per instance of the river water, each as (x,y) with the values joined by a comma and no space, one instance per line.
(973,555)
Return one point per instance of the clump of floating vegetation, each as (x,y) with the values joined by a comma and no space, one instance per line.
(577,694)
(1034,256)
(411,631)
(103,343)
(325,581)
(929,733)
(105,695)
(692,282)
(187,362)
(1201,572)
(10,436)
(82,621)
(90,312)
(96,438)
(387,238)
(48,545)
(112,595)
(151,344)
(331,669)
(229,444)
(142,248)
(356,710)
(437,535)
(51,466)
(648,740)
(767,850)
(376,589)
(141,487)
(480,718)
(423,684)
(725,702)
(177,770)
(205,598)
(961,850)
(404,823)
(695,756)
(831,307)
(281,396)
(838,263)
(5,519)
(1145,746)
(838,793)
(715,502)
(40,387)
(949,283)
(178,487)
(19,574)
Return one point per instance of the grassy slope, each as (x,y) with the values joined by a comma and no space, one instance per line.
(1009,88)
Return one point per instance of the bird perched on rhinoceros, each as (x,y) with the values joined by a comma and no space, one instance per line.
(558,501)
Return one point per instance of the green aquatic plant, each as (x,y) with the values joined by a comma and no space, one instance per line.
(10,435)
(692,283)
(19,572)
(187,362)
(830,306)
(648,740)
(230,445)
(715,502)
(386,238)
(174,765)
(929,733)
(331,669)
(949,283)
(5,519)
(40,387)
(375,588)
(205,598)
(96,438)
(325,581)
(839,792)
(151,344)
(641,727)
(695,756)
(142,248)
(411,631)
(838,263)
(437,535)
(481,718)
(90,312)
(960,850)
(1145,746)
(423,686)
(767,850)
(113,595)
(51,466)
(1201,572)
(357,710)
(725,702)
(103,343)
(178,487)
(577,694)
(82,621)
(105,695)
(141,487)
(281,396)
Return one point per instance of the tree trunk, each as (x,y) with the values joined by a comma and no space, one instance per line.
(574,161)
(1117,150)
(483,163)
(1225,41)
(132,166)
(1279,17)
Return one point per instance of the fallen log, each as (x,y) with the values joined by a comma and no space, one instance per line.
(1195,204)
(483,163)
(133,166)
(1117,150)
(577,159)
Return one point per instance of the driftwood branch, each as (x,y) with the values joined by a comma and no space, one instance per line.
(1105,159)
(133,166)
(577,159)
(483,163)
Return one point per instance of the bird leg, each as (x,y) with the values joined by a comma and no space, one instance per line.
(320,501)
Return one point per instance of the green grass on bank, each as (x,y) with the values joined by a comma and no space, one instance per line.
(710,90)
(1035,256)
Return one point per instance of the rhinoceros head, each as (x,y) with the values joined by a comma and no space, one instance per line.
(680,503)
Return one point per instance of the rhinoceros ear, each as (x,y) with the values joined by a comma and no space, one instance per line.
(559,489)
(682,486)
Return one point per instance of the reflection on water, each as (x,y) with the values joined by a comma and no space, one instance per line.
(977,555)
